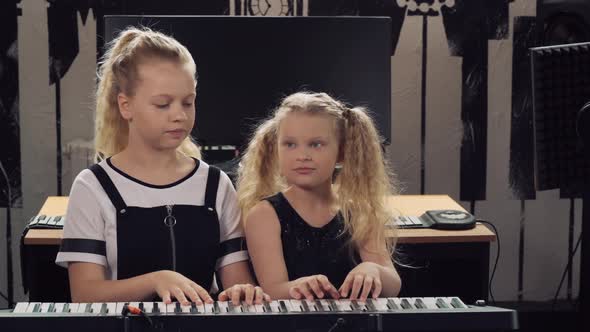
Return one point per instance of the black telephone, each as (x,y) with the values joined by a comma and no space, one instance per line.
(448,219)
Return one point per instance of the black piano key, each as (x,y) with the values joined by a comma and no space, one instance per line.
(51,308)
(141,306)
(319,306)
(391,305)
(124,306)
(235,308)
(283,306)
(370,305)
(216,307)
(194,308)
(441,304)
(406,304)
(267,307)
(304,306)
(177,309)
(355,306)
(66,308)
(456,303)
(37,307)
(420,304)
(88,308)
(104,310)
(333,305)
(156,308)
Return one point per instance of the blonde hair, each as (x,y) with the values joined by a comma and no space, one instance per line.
(118,72)
(361,186)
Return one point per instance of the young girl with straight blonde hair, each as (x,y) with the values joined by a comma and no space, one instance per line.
(313,187)
(151,219)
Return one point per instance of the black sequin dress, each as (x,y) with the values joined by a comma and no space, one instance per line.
(310,250)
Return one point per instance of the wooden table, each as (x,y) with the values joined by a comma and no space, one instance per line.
(431,262)
(408,205)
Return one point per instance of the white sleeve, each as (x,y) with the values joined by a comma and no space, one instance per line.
(231,238)
(83,239)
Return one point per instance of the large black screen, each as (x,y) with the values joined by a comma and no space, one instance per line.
(245,65)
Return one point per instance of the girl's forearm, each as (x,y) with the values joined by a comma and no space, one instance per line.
(132,289)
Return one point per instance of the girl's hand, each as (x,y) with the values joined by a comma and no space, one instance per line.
(247,292)
(313,287)
(366,277)
(170,284)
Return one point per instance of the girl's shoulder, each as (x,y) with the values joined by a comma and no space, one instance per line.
(261,213)
(87,178)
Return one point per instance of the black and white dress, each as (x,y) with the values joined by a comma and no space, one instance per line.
(131,227)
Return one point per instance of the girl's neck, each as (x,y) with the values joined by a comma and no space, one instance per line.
(321,196)
(138,158)
(153,167)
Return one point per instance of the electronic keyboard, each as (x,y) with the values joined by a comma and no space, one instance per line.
(382,314)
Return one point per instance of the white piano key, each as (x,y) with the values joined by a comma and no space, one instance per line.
(399,221)
(81,308)
(59,307)
(45,307)
(371,304)
(362,305)
(311,305)
(415,220)
(42,220)
(147,307)
(249,307)
(237,308)
(112,309)
(326,304)
(34,220)
(72,307)
(259,307)
(296,305)
(32,305)
(209,308)
(52,220)
(119,308)
(344,305)
(451,299)
(409,300)
(20,307)
(381,304)
(430,303)
(96,308)
(200,308)
(161,308)
(185,308)
(223,306)
(393,303)
(275,306)
(287,305)
(170,307)
(134,304)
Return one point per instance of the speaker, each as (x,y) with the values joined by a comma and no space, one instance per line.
(564,21)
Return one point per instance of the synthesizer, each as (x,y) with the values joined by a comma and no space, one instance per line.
(382,314)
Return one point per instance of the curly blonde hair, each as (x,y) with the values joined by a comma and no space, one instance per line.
(361,186)
(118,72)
